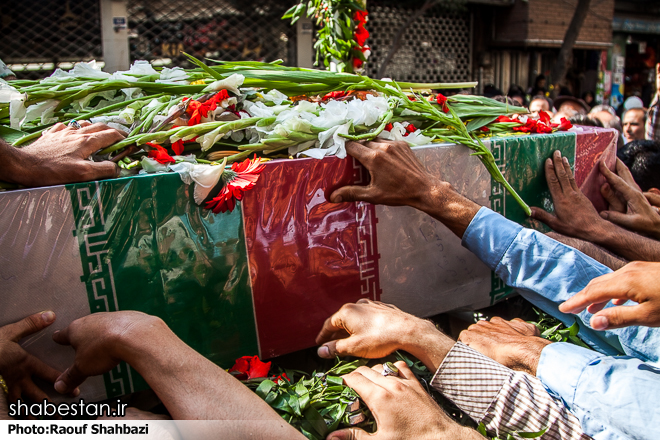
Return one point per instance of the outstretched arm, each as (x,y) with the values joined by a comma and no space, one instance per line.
(190,386)
(59,156)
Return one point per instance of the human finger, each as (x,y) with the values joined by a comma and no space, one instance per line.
(622,316)
(100,139)
(376,377)
(544,216)
(560,171)
(332,325)
(62,336)
(68,381)
(36,394)
(84,123)
(617,183)
(624,173)
(351,193)
(366,388)
(93,128)
(614,202)
(405,372)
(596,307)
(55,128)
(653,198)
(354,345)
(27,326)
(603,291)
(349,434)
(551,177)
(103,170)
(42,370)
(359,151)
(624,220)
(569,174)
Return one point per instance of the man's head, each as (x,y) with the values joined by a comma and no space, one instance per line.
(633,124)
(540,103)
(642,157)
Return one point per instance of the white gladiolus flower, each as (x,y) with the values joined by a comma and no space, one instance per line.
(184,169)
(416,138)
(43,110)
(275,96)
(17,110)
(306,106)
(330,143)
(206,177)
(173,76)
(231,83)
(150,165)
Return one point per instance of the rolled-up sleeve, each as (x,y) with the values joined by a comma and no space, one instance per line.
(613,397)
(547,273)
(505,401)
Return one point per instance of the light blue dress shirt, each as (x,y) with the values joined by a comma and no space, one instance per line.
(614,397)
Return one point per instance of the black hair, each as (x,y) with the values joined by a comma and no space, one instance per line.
(579,119)
(642,157)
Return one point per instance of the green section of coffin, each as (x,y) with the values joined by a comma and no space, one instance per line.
(140,251)
(521,160)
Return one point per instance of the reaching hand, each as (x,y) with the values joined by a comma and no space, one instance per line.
(401,407)
(397,177)
(637,214)
(637,281)
(514,344)
(97,339)
(575,215)
(17,367)
(370,330)
(60,155)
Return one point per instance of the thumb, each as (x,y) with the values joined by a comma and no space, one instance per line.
(618,218)
(341,347)
(543,216)
(69,380)
(617,317)
(349,434)
(27,326)
(104,170)
(350,194)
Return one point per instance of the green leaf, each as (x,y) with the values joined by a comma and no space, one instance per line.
(574,329)
(204,67)
(294,403)
(481,429)
(477,123)
(264,388)
(316,421)
(335,381)
(10,135)
(532,434)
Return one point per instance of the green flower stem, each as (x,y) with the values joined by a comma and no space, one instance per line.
(368,136)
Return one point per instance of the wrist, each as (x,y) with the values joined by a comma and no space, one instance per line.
(12,164)
(136,338)
(428,344)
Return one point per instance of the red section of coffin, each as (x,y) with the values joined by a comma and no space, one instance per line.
(307,256)
(592,145)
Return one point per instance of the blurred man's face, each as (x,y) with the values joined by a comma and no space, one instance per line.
(518,100)
(571,109)
(538,105)
(633,125)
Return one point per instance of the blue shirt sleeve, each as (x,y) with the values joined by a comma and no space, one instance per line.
(613,397)
(547,273)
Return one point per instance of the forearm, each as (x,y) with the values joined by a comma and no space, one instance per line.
(10,163)
(428,344)
(453,210)
(193,388)
(627,244)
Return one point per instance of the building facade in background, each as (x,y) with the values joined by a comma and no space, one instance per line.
(496,42)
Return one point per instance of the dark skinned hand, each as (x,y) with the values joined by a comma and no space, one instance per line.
(401,407)
(60,156)
(575,215)
(515,344)
(18,367)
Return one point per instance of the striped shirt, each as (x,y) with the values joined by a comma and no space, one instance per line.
(505,401)
(653,120)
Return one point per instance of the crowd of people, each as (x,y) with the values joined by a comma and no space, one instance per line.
(598,269)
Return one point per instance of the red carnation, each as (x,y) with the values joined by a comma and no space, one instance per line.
(160,154)
(242,177)
(249,367)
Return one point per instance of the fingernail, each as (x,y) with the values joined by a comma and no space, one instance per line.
(60,386)
(599,323)
(76,392)
(48,317)
(323,351)
(565,159)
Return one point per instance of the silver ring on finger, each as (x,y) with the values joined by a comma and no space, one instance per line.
(390,370)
